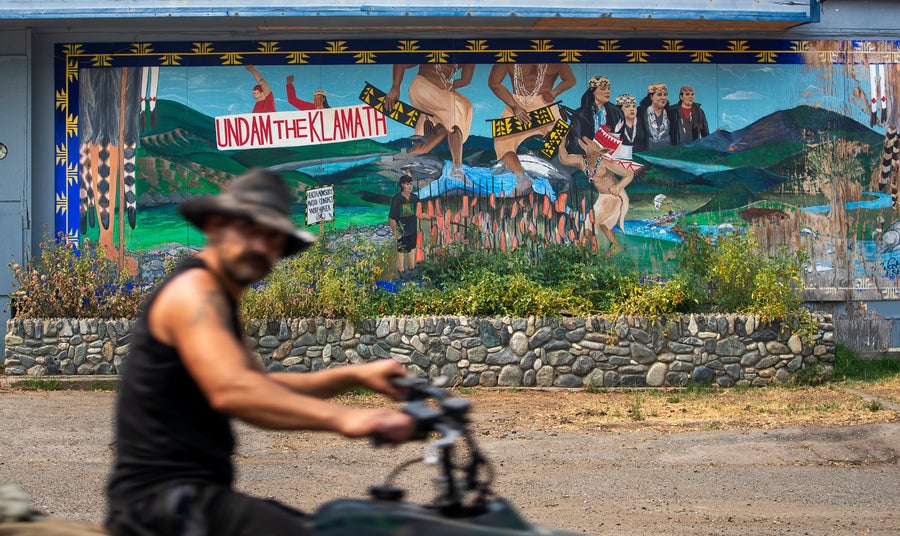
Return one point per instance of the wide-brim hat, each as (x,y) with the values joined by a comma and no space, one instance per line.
(259,195)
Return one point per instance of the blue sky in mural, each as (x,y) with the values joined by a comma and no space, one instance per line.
(733,96)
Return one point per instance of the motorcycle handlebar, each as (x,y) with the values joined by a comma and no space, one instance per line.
(450,412)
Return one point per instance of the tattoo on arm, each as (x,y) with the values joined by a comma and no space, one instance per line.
(212,306)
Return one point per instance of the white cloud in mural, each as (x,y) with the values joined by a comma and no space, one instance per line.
(740,71)
(744,95)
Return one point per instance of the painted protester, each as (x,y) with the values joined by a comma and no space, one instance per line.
(320,100)
(262,93)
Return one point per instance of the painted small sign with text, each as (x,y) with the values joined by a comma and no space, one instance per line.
(319,205)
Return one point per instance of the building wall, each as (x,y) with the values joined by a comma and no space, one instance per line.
(37,40)
(15,168)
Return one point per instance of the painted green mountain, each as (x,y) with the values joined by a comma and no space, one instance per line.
(180,156)
(764,154)
(729,198)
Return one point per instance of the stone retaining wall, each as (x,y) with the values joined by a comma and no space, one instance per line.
(570,352)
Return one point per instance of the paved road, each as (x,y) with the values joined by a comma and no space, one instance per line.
(803,481)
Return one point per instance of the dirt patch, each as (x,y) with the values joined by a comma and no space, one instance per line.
(731,463)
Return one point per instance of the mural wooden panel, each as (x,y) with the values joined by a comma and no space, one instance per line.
(794,140)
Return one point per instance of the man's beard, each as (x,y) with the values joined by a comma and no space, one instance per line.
(236,272)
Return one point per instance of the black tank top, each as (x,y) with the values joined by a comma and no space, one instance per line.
(166,430)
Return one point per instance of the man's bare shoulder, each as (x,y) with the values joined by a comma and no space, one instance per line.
(184,300)
(190,283)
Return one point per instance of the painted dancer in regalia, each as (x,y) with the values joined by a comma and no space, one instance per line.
(533,86)
(448,114)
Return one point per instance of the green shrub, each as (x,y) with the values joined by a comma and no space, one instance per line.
(69,281)
(561,278)
(777,284)
(337,278)
(467,261)
(513,294)
(334,278)
(654,298)
(733,264)
(600,280)
(695,250)
(733,274)
(562,263)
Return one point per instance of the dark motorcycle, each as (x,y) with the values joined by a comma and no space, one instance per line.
(464,504)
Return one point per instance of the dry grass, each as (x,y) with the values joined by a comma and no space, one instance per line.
(501,411)
(888,390)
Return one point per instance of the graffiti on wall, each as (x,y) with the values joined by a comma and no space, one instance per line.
(617,144)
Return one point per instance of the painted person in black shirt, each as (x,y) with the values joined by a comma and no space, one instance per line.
(596,111)
(189,372)
(402,219)
(688,117)
(654,119)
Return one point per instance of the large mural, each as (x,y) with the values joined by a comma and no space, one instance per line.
(618,144)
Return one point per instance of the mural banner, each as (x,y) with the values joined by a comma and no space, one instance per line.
(539,117)
(554,139)
(293,129)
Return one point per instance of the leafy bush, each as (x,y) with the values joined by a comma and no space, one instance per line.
(465,277)
(467,261)
(511,294)
(335,278)
(739,277)
(599,279)
(657,298)
(69,281)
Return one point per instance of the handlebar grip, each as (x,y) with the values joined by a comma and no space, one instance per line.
(411,387)
(416,390)
(424,417)
(408,382)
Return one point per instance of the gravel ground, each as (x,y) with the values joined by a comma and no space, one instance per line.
(810,480)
